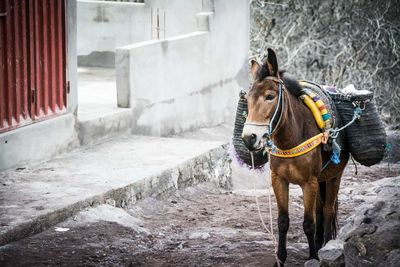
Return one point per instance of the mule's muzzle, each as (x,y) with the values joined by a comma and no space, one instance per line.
(249,141)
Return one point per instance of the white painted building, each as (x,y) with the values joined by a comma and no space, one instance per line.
(158,86)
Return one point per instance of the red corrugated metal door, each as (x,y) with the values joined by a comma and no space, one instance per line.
(32,61)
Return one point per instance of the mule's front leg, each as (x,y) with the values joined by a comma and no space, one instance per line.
(310,190)
(281,190)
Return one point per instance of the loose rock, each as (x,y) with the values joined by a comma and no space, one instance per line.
(372,234)
(331,255)
(198,235)
(312,263)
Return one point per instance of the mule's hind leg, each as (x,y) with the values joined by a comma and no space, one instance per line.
(310,190)
(319,236)
(330,208)
(281,190)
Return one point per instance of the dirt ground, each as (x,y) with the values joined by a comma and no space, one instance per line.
(198,226)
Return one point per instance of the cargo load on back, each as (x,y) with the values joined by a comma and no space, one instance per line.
(366,137)
(363,136)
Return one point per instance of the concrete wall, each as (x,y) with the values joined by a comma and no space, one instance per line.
(180,14)
(103,25)
(188,81)
(37,142)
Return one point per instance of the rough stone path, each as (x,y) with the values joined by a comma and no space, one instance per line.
(198,226)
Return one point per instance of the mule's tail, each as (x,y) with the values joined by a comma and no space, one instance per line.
(335,223)
(320,222)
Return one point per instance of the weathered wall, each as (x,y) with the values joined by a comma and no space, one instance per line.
(188,81)
(335,42)
(105,25)
(37,142)
(180,15)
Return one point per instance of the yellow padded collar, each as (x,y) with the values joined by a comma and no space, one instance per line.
(301,149)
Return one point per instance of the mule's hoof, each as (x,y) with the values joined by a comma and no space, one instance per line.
(276,264)
(313,257)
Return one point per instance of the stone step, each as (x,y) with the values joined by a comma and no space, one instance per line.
(119,171)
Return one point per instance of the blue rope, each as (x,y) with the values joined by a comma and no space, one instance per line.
(335,157)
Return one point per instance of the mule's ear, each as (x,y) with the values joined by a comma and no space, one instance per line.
(271,63)
(254,68)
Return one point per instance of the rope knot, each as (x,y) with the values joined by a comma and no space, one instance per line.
(358,112)
(325,137)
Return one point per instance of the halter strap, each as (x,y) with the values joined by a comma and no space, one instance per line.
(273,78)
(280,106)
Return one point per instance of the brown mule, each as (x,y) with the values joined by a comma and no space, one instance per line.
(276,113)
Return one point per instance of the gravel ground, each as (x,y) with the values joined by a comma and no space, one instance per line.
(197,226)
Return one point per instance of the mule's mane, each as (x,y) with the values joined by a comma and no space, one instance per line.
(291,84)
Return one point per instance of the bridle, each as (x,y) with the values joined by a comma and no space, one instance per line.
(271,127)
(304,147)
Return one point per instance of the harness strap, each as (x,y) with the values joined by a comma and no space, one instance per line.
(299,150)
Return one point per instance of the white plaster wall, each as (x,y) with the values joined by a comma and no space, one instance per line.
(188,81)
(103,25)
(180,14)
(38,142)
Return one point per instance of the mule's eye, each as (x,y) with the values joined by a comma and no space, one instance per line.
(269,97)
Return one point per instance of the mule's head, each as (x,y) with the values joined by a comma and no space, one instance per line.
(263,102)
